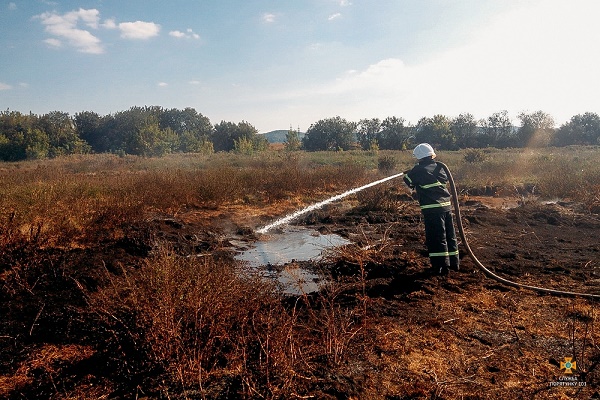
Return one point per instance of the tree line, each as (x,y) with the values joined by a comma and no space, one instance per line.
(143,131)
(155,131)
(536,129)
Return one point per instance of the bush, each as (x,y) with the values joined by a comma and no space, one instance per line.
(473,156)
(197,323)
(203,326)
(386,164)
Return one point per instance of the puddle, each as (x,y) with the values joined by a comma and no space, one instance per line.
(292,244)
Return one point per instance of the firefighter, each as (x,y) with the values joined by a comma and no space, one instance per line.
(429,180)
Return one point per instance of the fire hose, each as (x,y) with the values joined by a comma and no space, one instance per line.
(482,267)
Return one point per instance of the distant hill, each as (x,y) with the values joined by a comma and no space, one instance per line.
(279,136)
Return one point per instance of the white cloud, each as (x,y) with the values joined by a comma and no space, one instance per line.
(138,30)
(542,55)
(345,3)
(65,27)
(109,24)
(334,16)
(89,17)
(268,17)
(188,34)
(73,28)
(53,42)
(194,82)
(163,84)
(177,34)
(12,6)
(380,79)
(4,86)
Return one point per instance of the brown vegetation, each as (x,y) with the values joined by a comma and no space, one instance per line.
(101,297)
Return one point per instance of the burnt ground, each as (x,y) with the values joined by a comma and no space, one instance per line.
(464,336)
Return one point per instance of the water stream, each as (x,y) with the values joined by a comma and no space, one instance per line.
(316,206)
(296,244)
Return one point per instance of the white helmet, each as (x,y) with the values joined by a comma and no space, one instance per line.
(423,150)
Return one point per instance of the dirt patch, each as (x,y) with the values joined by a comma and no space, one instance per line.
(464,336)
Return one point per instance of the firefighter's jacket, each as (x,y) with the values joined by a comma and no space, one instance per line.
(429,180)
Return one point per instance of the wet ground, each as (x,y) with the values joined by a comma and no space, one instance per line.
(281,253)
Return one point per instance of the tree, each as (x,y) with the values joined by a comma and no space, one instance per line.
(192,128)
(498,130)
(88,125)
(435,131)
(536,130)
(147,131)
(464,129)
(12,122)
(582,129)
(62,135)
(394,135)
(248,131)
(367,131)
(32,144)
(243,145)
(37,144)
(120,132)
(329,134)
(14,129)
(190,142)
(225,135)
(292,140)
(149,141)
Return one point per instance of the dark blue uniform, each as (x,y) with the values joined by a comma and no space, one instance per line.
(429,180)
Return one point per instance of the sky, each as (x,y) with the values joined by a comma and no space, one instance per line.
(290,63)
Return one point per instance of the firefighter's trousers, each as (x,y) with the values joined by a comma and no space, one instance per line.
(440,238)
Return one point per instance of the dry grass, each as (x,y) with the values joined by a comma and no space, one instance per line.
(48,360)
(64,202)
(204,329)
(196,322)
(563,173)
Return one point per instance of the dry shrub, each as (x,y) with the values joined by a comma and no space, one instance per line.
(573,178)
(473,156)
(200,325)
(61,210)
(216,187)
(590,197)
(560,180)
(336,322)
(205,329)
(349,172)
(386,163)
(289,177)
(383,197)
